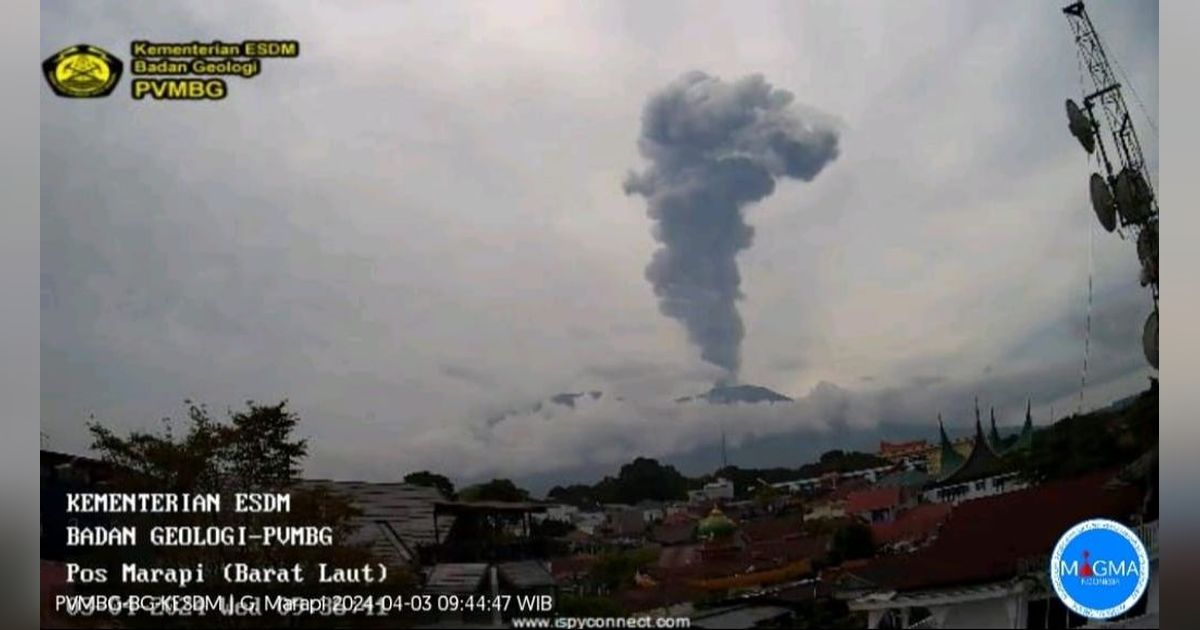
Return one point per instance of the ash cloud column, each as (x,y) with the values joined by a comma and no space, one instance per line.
(714,147)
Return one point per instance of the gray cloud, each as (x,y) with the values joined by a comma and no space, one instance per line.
(716,147)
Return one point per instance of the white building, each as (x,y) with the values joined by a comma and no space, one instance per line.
(718,490)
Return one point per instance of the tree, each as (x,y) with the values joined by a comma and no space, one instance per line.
(253,451)
(495,490)
(645,479)
(613,571)
(830,457)
(431,480)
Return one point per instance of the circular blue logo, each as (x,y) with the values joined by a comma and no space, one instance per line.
(1099,569)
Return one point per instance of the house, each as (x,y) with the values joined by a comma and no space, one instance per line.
(911,528)
(589,522)
(833,505)
(625,522)
(877,504)
(559,512)
(652,511)
(396,520)
(983,472)
(983,571)
(901,452)
(717,490)
(524,578)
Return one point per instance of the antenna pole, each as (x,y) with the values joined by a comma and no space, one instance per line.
(1126,148)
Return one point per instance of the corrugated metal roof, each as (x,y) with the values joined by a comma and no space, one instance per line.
(395,519)
(526,574)
(456,577)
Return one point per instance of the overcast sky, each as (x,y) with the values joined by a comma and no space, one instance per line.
(420,223)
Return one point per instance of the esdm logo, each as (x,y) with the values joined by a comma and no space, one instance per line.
(82,71)
(1099,569)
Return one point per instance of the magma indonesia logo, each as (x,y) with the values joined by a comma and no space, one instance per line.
(1100,569)
(82,71)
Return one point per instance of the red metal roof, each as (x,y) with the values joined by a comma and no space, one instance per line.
(984,540)
(847,487)
(873,499)
(570,566)
(774,527)
(911,525)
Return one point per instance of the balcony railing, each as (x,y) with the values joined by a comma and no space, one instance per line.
(1148,533)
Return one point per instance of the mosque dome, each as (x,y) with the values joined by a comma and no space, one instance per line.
(715,525)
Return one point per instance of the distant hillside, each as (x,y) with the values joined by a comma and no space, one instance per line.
(646,479)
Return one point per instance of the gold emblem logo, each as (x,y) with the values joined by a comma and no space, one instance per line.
(82,71)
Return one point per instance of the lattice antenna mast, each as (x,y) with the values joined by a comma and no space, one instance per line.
(1124,197)
(1107,94)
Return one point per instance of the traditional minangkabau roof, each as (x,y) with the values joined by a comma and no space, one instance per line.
(1025,440)
(950,459)
(905,479)
(982,462)
(994,436)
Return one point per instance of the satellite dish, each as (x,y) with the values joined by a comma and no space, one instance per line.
(1150,339)
(1102,202)
(1132,195)
(1081,126)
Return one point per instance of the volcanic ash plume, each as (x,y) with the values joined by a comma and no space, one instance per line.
(715,147)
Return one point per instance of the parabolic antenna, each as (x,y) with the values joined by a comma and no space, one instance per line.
(1081,126)
(1132,195)
(1102,202)
(1150,339)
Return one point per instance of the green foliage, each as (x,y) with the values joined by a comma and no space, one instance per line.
(829,457)
(431,480)
(643,479)
(851,542)
(495,490)
(1098,440)
(252,451)
(613,571)
(578,494)
(647,479)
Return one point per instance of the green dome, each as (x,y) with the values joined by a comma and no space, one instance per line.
(715,525)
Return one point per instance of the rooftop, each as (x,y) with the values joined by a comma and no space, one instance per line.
(873,499)
(482,507)
(989,538)
(911,525)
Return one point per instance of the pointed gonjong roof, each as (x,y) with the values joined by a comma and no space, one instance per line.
(982,462)
(1025,440)
(994,439)
(950,458)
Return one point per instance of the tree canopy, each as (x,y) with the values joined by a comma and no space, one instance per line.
(431,480)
